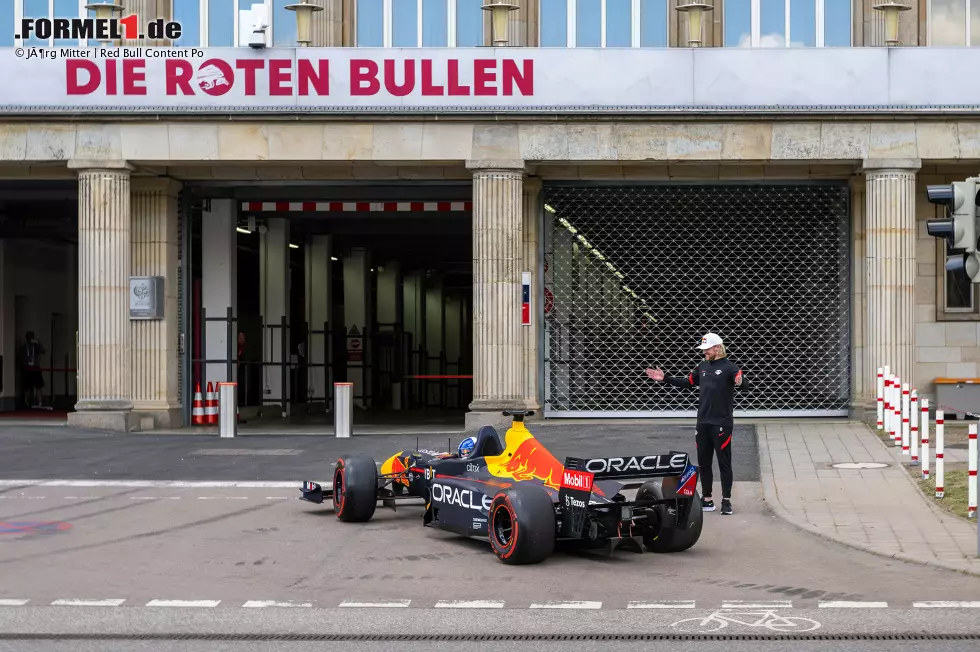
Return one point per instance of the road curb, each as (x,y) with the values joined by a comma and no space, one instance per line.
(770,495)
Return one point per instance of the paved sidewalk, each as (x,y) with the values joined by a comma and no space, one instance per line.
(877,510)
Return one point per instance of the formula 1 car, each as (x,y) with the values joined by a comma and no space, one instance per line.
(523,500)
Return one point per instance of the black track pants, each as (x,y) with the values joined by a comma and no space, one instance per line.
(713,439)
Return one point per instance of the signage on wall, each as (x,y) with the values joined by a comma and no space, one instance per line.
(146,297)
(355,345)
(456,79)
(525,298)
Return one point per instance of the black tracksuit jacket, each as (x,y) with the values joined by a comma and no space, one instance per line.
(716,381)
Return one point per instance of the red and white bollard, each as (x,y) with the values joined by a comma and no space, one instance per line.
(914,427)
(971,482)
(924,427)
(905,419)
(880,395)
(888,401)
(939,454)
(897,417)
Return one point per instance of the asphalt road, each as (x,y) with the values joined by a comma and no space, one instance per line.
(61,453)
(233,561)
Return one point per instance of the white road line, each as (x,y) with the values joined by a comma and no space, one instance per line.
(388,603)
(183,603)
(741,604)
(947,605)
(154,484)
(87,603)
(470,604)
(567,604)
(852,605)
(7,602)
(274,603)
(664,604)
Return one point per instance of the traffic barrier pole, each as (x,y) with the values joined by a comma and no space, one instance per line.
(939,454)
(905,419)
(888,402)
(897,419)
(914,429)
(343,409)
(880,394)
(971,482)
(925,438)
(228,409)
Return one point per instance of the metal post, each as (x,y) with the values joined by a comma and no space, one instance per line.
(228,409)
(284,368)
(232,345)
(343,409)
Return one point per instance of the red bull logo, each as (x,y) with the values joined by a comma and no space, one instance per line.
(531,460)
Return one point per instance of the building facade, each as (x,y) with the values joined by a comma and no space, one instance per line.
(768,185)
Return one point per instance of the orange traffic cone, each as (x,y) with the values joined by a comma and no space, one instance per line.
(211,405)
(197,411)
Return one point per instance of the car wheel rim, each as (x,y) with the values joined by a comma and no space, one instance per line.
(338,490)
(503,527)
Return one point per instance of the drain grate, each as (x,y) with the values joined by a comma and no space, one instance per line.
(486,637)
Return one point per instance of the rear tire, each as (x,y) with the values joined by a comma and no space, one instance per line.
(670,538)
(355,495)
(522,525)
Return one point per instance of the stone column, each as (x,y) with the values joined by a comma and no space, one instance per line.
(328,25)
(862,386)
(531,335)
(154,253)
(498,379)
(104,331)
(890,235)
(147,10)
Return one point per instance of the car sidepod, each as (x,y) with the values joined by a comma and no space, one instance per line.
(458,505)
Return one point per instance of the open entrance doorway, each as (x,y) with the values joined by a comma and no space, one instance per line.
(38,298)
(295,289)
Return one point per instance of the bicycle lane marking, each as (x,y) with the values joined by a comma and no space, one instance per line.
(767,618)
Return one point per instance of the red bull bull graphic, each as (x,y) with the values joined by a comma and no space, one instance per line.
(525,458)
(394,465)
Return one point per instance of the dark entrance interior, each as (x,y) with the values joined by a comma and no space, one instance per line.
(399,327)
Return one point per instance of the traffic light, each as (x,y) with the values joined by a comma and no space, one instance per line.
(959,227)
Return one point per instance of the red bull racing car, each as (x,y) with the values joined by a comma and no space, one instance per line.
(524,500)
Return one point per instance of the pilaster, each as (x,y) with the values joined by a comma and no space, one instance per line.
(327,25)
(154,253)
(890,237)
(531,335)
(498,254)
(104,331)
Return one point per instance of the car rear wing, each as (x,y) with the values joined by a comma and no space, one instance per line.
(631,467)
(580,474)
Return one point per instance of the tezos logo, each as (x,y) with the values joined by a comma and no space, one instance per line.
(460,497)
(98,29)
(574,502)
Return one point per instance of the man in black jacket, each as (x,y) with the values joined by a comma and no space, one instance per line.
(716,377)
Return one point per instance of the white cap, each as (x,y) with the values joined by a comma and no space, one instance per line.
(709,341)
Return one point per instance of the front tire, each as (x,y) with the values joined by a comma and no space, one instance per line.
(522,524)
(670,538)
(355,483)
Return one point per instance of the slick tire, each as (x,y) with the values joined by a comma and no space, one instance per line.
(669,538)
(522,524)
(355,482)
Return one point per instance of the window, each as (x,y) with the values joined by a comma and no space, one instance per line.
(948,25)
(14,10)
(188,14)
(603,23)
(7,25)
(419,23)
(787,23)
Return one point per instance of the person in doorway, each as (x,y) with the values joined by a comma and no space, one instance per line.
(716,378)
(32,378)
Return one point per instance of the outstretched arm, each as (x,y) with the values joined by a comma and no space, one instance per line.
(738,377)
(689,381)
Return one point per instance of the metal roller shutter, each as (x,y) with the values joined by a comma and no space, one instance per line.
(635,275)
